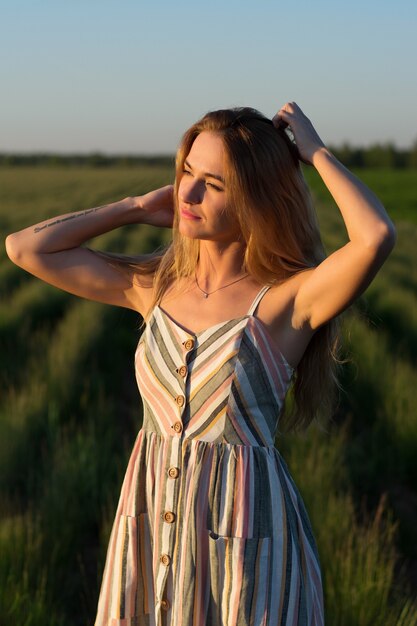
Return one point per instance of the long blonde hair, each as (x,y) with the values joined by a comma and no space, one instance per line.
(272,204)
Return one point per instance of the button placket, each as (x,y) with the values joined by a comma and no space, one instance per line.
(182,371)
(169,514)
(168,521)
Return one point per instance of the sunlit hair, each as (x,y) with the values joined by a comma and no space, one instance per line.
(271,202)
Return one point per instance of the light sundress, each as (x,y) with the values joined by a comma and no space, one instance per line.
(210,529)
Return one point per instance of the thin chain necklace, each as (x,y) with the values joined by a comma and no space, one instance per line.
(208,293)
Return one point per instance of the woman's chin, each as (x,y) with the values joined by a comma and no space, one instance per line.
(189,230)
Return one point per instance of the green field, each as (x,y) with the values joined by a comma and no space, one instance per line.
(70,411)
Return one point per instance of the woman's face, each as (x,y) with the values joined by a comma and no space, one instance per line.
(202,195)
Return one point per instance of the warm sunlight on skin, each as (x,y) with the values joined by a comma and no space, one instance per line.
(202,195)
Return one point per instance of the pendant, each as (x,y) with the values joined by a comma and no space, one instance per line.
(205,294)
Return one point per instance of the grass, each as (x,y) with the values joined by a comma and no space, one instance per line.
(358,555)
(396,188)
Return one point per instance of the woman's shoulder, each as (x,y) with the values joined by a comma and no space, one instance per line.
(150,291)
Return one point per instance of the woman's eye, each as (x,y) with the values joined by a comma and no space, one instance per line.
(214,186)
(185,171)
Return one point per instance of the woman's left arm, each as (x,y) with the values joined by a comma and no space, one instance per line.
(340,279)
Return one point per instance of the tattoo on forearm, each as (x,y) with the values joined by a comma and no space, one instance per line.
(70,217)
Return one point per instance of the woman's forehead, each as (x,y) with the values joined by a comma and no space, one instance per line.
(207,153)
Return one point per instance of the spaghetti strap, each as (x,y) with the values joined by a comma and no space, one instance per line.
(257,299)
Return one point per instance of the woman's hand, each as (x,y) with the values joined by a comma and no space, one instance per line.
(306,138)
(156,207)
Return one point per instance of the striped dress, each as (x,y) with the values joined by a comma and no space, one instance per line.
(210,529)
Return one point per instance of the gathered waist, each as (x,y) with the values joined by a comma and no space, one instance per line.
(189,441)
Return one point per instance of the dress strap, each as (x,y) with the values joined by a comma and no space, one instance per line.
(257,299)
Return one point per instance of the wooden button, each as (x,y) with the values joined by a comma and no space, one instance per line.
(182,371)
(165,559)
(173,472)
(165,604)
(180,400)
(189,344)
(177,427)
(169,517)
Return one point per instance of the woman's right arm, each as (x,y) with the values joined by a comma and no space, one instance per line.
(51,250)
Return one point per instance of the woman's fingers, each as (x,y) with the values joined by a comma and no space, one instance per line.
(306,137)
(283,117)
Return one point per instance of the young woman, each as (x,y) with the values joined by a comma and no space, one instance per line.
(210,528)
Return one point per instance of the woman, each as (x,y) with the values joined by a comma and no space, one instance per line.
(210,528)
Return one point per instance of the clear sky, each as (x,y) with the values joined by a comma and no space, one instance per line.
(124,76)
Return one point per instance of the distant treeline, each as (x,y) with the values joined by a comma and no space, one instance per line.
(94,159)
(377,155)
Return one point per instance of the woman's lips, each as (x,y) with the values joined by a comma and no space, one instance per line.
(189,216)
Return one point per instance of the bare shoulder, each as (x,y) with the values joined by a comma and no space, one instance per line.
(141,292)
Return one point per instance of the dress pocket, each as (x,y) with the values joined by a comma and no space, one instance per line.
(132,578)
(240,576)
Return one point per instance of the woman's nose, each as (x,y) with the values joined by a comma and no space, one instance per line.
(191,192)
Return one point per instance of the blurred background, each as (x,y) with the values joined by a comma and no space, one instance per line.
(95,97)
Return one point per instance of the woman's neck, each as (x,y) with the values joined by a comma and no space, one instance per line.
(219,263)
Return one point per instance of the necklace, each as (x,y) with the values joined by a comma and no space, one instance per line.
(208,293)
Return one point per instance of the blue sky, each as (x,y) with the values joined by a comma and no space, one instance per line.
(84,75)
